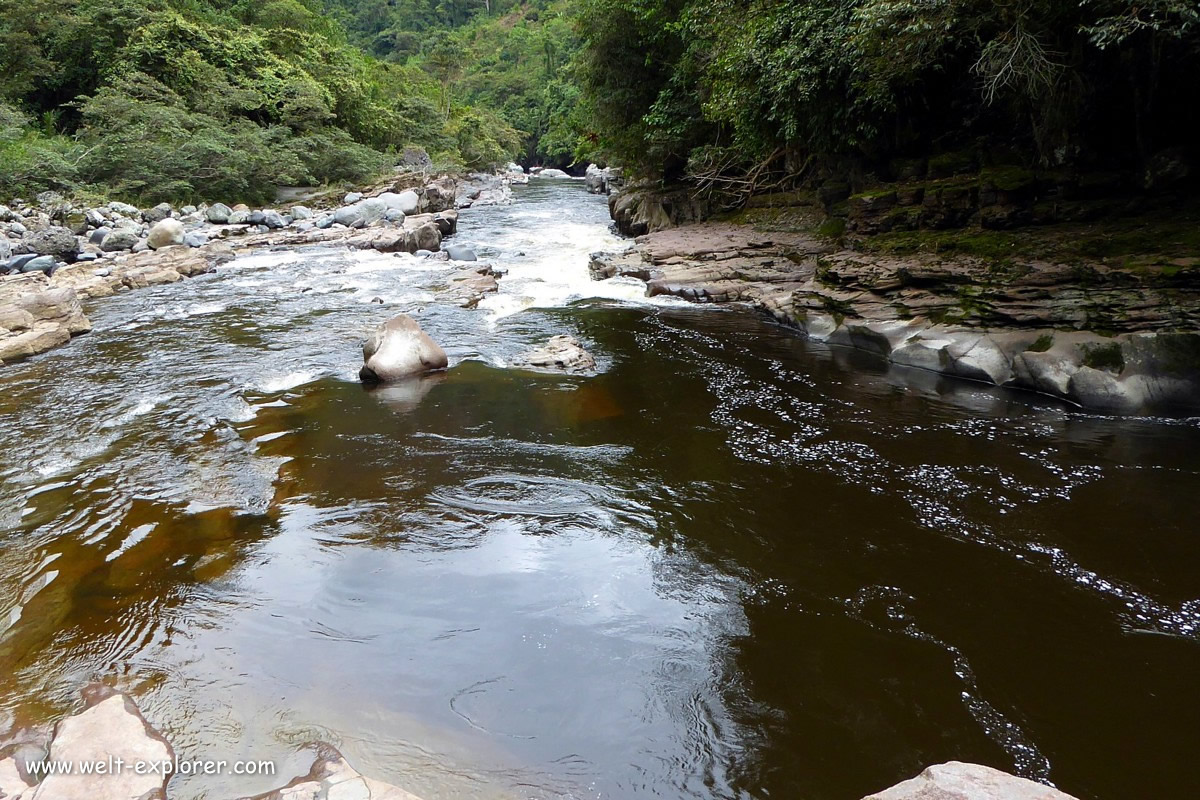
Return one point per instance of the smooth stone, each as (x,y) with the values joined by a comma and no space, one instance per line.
(274,220)
(301,212)
(560,352)
(165,233)
(400,348)
(195,239)
(98,235)
(157,214)
(458,252)
(121,239)
(352,197)
(39,264)
(218,213)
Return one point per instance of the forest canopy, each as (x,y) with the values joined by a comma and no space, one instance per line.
(196,99)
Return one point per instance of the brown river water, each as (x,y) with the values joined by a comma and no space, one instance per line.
(733,564)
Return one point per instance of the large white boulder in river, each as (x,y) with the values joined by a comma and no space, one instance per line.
(165,233)
(958,781)
(399,349)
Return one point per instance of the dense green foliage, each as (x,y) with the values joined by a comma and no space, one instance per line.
(182,99)
(712,87)
(511,56)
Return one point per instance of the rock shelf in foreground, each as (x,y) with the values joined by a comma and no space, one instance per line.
(1032,328)
(111,727)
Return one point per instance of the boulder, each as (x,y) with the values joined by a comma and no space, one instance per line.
(5,248)
(398,349)
(121,239)
(98,235)
(53,241)
(273,219)
(40,264)
(559,353)
(239,216)
(95,217)
(157,214)
(407,201)
(165,233)
(218,213)
(362,213)
(428,237)
(958,781)
(301,212)
(458,252)
(551,173)
(124,209)
(17,263)
(352,197)
(416,158)
(195,239)
(447,222)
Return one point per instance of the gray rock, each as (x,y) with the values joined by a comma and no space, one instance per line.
(195,239)
(141,246)
(53,241)
(273,219)
(551,173)
(398,349)
(16,263)
(44,264)
(325,222)
(165,233)
(428,237)
(98,235)
(301,212)
(423,253)
(362,213)
(416,158)
(86,257)
(94,218)
(157,214)
(238,217)
(5,248)
(394,215)
(188,210)
(958,781)
(17,229)
(257,218)
(447,222)
(218,213)
(120,239)
(352,197)
(458,252)
(560,353)
(124,209)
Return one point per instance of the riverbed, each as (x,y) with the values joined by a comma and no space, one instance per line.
(734,563)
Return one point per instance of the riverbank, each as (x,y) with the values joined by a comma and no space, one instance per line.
(1114,335)
(54,255)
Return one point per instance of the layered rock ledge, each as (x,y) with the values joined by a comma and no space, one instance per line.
(1103,337)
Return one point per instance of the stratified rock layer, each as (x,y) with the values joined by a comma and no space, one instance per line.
(1110,340)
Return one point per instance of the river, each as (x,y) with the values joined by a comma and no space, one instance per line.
(733,564)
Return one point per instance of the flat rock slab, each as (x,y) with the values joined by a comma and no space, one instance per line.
(110,738)
(956,780)
(332,778)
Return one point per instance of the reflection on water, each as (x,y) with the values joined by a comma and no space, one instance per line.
(733,564)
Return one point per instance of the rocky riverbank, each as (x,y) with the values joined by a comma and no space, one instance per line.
(54,255)
(1115,335)
(110,738)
